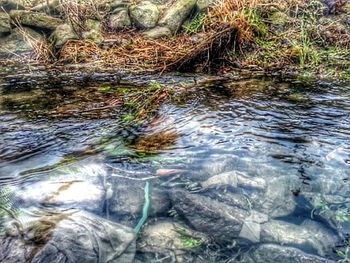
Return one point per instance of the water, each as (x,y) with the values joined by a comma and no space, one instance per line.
(248,170)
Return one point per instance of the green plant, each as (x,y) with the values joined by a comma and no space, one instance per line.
(256,22)
(344,255)
(196,24)
(190,242)
(305,51)
(342,215)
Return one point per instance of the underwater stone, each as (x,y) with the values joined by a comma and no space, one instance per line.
(128,200)
(167,238)
(234,179)
(216,219)
(74,237)
(310,236)
(270,253)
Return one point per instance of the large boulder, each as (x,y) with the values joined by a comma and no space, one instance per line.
(176,14)
(21,42)
(145,14)
(62,34)
(35,19)
(5,25)
(269,253)
(72,237)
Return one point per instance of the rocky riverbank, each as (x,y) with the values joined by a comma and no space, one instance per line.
(308,38)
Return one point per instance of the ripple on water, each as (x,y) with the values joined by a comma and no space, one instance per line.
(290,142)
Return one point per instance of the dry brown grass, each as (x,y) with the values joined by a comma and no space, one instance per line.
(223,24)
(42,49)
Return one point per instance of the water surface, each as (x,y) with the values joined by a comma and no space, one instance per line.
(249,170)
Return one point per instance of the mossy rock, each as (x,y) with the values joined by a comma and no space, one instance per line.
(94,31)
(145,14)
(5,25)
(35,19)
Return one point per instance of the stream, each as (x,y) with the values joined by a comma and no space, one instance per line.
(241,170)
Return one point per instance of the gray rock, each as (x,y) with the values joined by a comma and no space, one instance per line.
(120,20)
(160,2)
(62,34)
(9,5)
(177,14)
(72,237)
(278,199)
(216,219)
(94,31)
(118,4)
(21,42)
(269,253)
(168,239)
(234,179)
(5,25)
(35,19)
(204,4)
(128,200)
(145,14)
(158,32)
(51,7)
(309,236)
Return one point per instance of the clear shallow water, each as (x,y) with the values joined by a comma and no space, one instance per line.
(249,170)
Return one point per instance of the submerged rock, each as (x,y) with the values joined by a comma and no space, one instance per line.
(35,19)
(219,220)
(145,14)
(128,198)
(170,239)
(71,237)
(269,253)
(5,25)
(21,42)
(309,236)
(175,15)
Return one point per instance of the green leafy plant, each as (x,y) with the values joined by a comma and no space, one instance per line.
(344,255)
(190,242)
(196,24)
